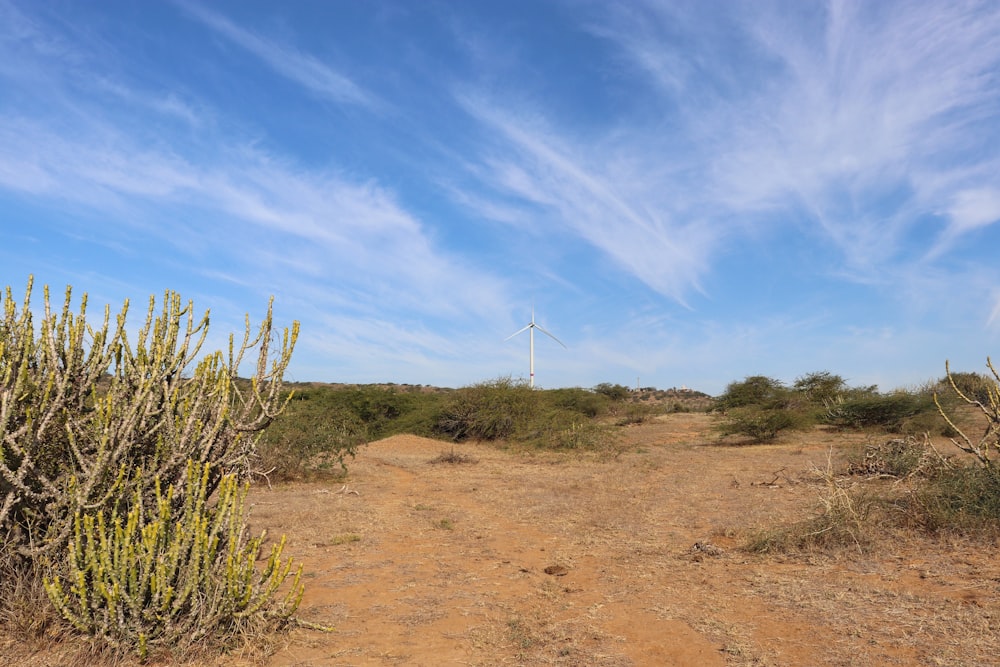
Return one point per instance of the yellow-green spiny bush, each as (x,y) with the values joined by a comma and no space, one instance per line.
(173,571)
(84,403)
(95,424)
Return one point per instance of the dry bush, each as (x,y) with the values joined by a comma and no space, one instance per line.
(898,458)
(453,457)
(850,515)
(986,398)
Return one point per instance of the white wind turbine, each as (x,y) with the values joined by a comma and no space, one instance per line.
(530,328)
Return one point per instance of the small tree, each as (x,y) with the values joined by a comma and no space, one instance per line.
(614,392)
(755,390)
(820,387)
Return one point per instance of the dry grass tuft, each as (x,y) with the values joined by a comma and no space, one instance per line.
(454,458)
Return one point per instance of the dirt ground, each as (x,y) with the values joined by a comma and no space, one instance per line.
(551,559)
(514,558)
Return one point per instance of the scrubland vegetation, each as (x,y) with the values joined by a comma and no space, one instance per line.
(125,463)
(323,425)
(912,484)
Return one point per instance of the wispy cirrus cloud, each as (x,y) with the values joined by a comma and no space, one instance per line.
(859,126)
(355,233)
(304,69)
(193,197)
(611,207)
(869,118)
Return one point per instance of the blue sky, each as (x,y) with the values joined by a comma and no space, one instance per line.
(687,192)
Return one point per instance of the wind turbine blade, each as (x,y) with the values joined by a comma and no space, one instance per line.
(549,335)
(522,330)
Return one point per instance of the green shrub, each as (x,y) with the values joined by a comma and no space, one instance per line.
(757,390)
(960,498)
(305,441)
(820,387)
(759,425)
(976,387)
(495,410)
(928,420)
(174,572)
(614,392)
(589,404)
(885,411)
(513,412)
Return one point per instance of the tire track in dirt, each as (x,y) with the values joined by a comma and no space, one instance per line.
(455,578)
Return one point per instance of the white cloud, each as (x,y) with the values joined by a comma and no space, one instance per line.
(302,68)
(994,317)
(621,217)
(310,225)
(857,114)
(974,208)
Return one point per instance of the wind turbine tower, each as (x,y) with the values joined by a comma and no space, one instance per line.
(530,328)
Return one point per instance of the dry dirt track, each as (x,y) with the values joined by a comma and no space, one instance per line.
(417,563)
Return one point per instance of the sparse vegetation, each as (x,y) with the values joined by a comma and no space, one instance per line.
(759,408)
(952,494)
(755,391)
(847,517)
(510,411)
(124,467)
(323,425)
(593,505)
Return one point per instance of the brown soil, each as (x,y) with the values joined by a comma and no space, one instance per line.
(628,558)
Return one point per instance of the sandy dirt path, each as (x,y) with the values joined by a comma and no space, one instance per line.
(520,559)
